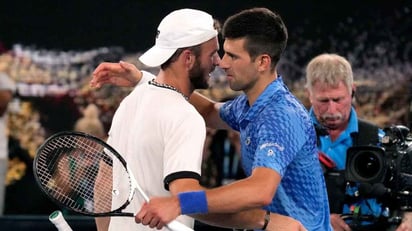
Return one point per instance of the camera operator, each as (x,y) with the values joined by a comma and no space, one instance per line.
(330,88)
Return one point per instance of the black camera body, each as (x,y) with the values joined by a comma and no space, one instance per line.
(386,170)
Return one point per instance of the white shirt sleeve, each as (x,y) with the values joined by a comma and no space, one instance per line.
(146,77)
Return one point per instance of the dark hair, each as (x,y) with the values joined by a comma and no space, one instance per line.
(195,49)
(264,31)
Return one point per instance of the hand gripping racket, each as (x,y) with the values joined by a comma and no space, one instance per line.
(76,171)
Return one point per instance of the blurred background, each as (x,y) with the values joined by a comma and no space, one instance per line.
(49,48)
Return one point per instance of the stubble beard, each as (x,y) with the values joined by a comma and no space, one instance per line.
(197,77)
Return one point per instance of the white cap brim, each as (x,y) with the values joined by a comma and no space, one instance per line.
(156,56)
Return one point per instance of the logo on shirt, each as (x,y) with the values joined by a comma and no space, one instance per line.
(247,141)
(275,145)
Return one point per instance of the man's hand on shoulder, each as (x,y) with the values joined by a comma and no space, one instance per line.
(120,74)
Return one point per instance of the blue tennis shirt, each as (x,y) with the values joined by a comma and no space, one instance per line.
(276,132)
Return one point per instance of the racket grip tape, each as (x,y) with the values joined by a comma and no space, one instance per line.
(177,226)
(58,220)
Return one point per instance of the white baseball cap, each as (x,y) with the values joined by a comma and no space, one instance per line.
(179,29)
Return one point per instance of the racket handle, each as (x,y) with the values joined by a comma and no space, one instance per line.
(58,220)
(177,226)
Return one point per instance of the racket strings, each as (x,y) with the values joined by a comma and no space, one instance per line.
(77,171)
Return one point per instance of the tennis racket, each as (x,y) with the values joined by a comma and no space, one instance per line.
(75,170)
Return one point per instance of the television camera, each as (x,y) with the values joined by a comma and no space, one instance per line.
(385,171)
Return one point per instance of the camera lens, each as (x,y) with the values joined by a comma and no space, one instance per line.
(367,165)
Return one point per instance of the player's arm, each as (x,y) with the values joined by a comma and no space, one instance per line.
(121,74)
(252,219)
(224,205)
(209,110)
(103,175)
(102,223)
(257,191)
(128,75)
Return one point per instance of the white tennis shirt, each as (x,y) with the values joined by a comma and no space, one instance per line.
(159,134)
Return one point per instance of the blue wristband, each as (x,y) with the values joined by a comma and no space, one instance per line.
(193,202)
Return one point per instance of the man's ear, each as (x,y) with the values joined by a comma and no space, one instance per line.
(263,62)
(189,58)
(307,93)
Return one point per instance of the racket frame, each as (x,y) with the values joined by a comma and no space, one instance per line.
(133,183)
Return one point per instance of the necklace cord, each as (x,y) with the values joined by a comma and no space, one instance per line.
(167,86)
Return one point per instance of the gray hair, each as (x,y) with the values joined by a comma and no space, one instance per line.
(329,69)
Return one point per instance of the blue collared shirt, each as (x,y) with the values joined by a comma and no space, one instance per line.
(336,150)
(276,132)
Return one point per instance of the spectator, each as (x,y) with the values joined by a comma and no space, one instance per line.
(90,122)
